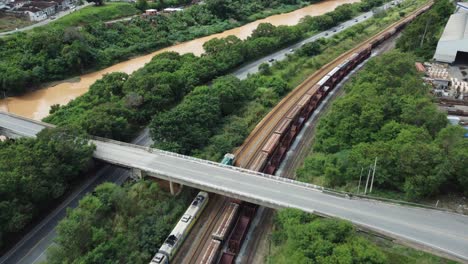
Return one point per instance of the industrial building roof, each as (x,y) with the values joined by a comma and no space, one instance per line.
(463,5)
(456,28)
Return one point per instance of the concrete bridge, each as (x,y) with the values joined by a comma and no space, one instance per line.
(442,231)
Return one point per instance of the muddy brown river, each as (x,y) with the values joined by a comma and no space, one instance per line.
(36,104)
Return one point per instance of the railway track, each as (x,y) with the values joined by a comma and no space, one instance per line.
(245,155)
(196,256)
(262,132)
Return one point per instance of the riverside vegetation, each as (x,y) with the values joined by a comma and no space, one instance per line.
(224,113)
(72,45)
(114,107)
(387,112)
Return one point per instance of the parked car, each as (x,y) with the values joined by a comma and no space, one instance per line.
(271,60)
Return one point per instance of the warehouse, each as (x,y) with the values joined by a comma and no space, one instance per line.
(453,45)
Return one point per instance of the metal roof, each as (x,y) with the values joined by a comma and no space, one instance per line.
(456,28)
(463,6)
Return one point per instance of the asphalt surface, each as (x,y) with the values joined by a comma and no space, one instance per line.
(444,231)
(31,249)
(251,68)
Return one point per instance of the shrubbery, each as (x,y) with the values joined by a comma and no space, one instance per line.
(122,103)
(387,113)
(58,51)
(117,225)
(35,172)
(304,238)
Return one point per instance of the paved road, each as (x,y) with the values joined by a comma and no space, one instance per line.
(44,22)
(32,247)
(447,232)
(252,67)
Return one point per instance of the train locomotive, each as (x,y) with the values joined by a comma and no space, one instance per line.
(173,242)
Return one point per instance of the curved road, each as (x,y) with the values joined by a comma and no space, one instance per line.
(31,249)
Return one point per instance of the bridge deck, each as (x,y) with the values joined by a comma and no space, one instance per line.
(440,230)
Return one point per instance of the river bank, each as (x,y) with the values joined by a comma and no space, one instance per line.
(36,104)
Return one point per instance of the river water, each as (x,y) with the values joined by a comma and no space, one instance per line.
(36,104)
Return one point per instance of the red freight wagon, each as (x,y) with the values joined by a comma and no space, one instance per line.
(227,220)
(315,89)
(284,130)
(211,254)
(259,162)
(241,227)
(283,127)
(271,144)
(227,258)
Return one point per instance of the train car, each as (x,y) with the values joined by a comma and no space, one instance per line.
(335,77)
(227,258)
(270,148)
(210,256)
(227,220)
(284,129)
(173,242)
(228,159)
(259,162)
(305,104)
(242,226)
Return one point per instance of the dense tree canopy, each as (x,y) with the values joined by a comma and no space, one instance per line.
(117,225)
(35,172)
(55,52)
(305,238)
(388,113)
(421,36)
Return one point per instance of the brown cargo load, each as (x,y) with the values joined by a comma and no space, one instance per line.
(259,162)
(284,126)
(211,254)
(271,144)
(227,221)
(305,100)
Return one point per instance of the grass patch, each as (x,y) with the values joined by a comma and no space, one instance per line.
(8,23)
(92,14)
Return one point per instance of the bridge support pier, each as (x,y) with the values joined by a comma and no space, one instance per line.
(138,174)
(172,188)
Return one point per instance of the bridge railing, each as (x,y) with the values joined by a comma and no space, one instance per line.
(212,163)
(269,176)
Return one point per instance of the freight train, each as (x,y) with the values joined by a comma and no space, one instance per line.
(173,242)
(237,216)
(274,150)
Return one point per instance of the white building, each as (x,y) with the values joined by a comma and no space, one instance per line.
(454,40)
(35,14)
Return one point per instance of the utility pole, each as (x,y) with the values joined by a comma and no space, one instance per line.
(367,181)
(360,177)
(373,174)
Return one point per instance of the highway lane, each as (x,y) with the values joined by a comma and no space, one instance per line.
(31,249)
(252,67)
(444,231)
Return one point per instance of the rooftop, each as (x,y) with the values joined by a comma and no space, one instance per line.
(456,28)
